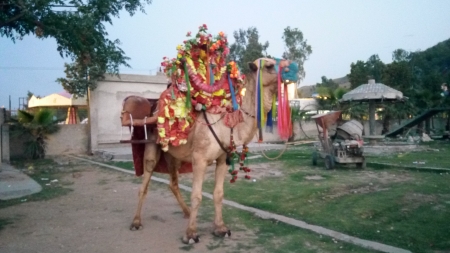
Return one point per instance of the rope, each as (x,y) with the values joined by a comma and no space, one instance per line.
(207,122)
(278,156)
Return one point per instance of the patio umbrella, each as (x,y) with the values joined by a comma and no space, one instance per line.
(372,93)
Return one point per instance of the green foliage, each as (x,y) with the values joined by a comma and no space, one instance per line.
(297,49)
(418,75)
(80,77)
(398,75)
(327,83)
(77,26)
(355,111)
(361,71)
(376,68)
(247,48)
(339,92)
(329,94)
(400,55)
(35,128)
(359,74)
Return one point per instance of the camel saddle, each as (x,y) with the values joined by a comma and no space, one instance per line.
(138,114)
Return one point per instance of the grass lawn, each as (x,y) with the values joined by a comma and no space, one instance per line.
(396,206)
(435,154)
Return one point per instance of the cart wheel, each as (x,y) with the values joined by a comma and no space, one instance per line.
(329,162)
(362,165)
(314,158)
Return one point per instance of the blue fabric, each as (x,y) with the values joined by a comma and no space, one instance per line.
(211,76)
(233,95)
(269,124)
(291,75)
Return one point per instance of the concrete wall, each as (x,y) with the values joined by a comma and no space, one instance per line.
(70,139)
(106,104)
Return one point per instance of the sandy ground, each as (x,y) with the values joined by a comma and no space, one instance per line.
(96,215)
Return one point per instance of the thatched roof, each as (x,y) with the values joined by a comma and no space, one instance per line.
(372,91)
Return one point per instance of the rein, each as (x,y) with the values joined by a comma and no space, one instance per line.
(248,114)
(214,133)
(207,122)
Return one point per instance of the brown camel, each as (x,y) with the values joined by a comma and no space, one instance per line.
(202,150)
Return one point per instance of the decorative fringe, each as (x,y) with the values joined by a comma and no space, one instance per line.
(188,86)
(231,119)
(242,160)
(233,94)
(284,111)
(271,115)
(260,117)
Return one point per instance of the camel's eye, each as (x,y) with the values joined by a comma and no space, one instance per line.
(269,66)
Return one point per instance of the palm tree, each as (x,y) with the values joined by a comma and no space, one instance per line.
(35,128)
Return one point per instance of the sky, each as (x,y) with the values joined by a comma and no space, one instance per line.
(339,31)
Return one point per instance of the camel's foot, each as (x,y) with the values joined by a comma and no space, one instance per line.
(136,225)
(222,232)
(191,237)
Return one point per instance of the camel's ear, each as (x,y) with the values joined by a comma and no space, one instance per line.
(253,66)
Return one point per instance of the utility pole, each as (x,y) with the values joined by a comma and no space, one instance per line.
(89,147)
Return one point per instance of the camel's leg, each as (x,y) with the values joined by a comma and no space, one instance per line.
(151,158)
(174,165)
(219,226)
(199,168)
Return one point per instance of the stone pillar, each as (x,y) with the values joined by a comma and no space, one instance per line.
(5,143)
(372,117)
(428,126)
(4,138)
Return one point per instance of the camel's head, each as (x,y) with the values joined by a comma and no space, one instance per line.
(269,69)
(264,67)
(271,77)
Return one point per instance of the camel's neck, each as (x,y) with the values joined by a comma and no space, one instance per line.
(247,129)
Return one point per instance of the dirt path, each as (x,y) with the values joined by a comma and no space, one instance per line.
(95,217)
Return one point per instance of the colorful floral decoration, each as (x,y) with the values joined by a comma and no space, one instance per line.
(242,158)
(201,79)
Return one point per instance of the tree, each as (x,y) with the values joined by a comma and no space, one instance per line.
(375,67)
(359,74)
(35,128)
(398,75)
(80,77)
(77,26)
(361,71)
(328,83)
(247,48)
(296,48)
(401,55)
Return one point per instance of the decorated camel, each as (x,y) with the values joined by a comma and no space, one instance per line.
(202,117)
